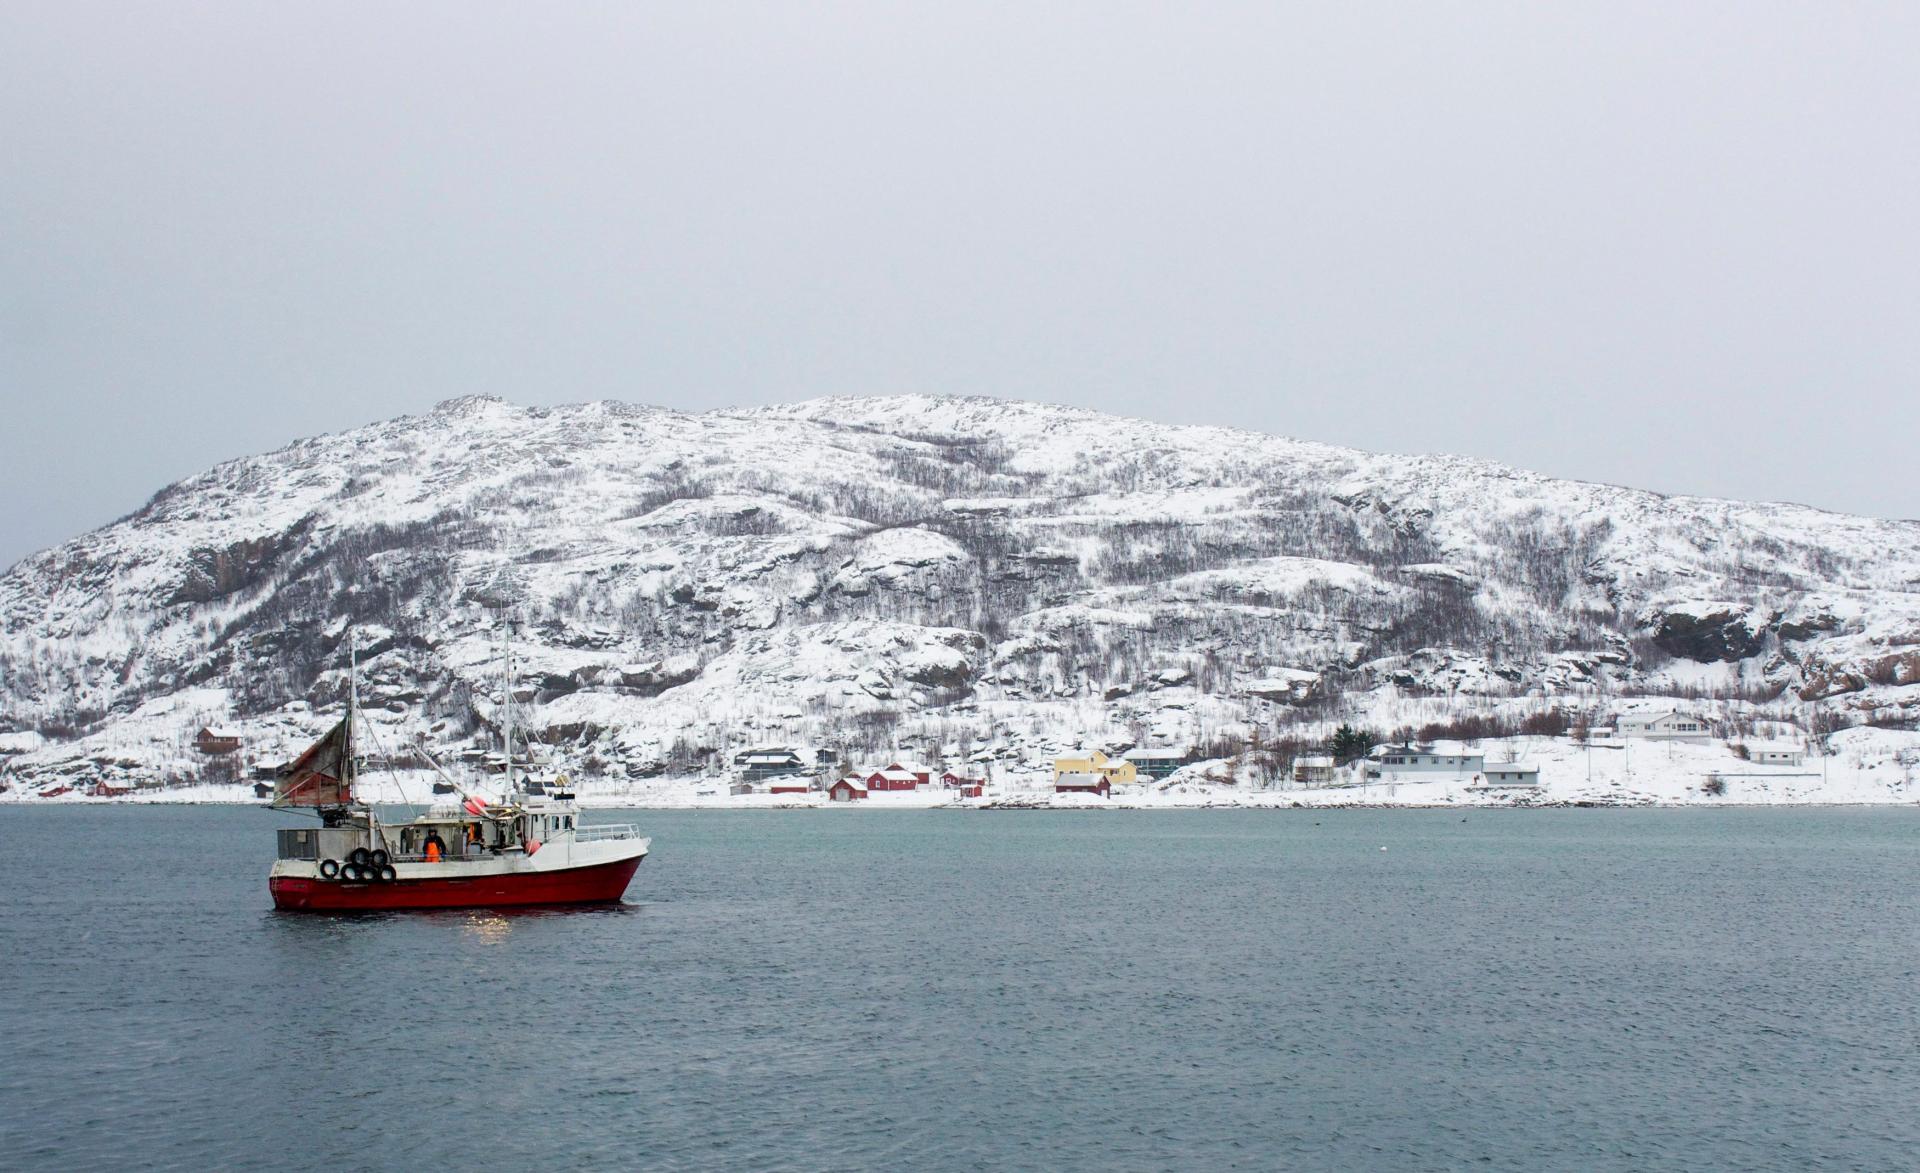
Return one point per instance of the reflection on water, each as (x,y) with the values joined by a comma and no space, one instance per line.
(391,928)
(491,928)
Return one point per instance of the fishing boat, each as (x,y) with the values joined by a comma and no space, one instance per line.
(525,847)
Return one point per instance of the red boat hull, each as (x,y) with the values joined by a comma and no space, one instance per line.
(599,884)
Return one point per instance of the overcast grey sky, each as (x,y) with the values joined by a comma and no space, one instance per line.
(1668,245)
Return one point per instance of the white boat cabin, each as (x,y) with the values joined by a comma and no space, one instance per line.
(447,832)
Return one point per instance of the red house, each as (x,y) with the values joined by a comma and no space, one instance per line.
(847,790)
(1082,784)
(897,777)
(789,786)
(968,787)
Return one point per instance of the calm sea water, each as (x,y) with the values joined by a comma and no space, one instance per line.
(1529,990)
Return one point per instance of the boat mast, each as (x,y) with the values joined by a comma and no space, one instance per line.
(507,693)
(353,705)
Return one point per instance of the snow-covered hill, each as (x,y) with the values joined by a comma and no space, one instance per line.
(949,577)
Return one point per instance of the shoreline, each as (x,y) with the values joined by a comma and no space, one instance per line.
(1255,801)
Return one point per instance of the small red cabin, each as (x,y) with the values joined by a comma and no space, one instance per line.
(1082,784)
(968,787)
(847,790)
(789,786)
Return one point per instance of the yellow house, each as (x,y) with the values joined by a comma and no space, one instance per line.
(1114,770)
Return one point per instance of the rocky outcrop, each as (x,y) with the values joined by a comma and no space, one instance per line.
(1287,686)
(1708,635)
(656,677)
(216,573)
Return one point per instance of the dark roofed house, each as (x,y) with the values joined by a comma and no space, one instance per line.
(757,765)
(1082,783)
(216,741)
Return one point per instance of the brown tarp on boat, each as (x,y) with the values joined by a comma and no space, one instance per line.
(318,777)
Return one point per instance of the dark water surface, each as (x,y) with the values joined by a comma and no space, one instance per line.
(1624,989)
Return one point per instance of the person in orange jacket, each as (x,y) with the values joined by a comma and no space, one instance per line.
(434,847)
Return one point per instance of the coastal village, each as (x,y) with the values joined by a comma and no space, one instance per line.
(1094,773)
(1646,754)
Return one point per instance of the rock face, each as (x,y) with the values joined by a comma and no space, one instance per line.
(900,572)
(1706,636)
(215,574)
(1287,686)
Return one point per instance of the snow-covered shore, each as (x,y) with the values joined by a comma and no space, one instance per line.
(1867,767)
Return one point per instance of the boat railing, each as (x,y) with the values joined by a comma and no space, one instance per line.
(595,832)
(462,856)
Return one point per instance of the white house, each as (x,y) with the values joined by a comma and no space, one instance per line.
(1420,759)
(1511,774)
(1776,754)
(1664,726)
(1313,769)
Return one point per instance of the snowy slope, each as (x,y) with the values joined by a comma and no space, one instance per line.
(953,577)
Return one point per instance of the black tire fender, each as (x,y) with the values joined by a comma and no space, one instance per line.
(329,869)
(359,857)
